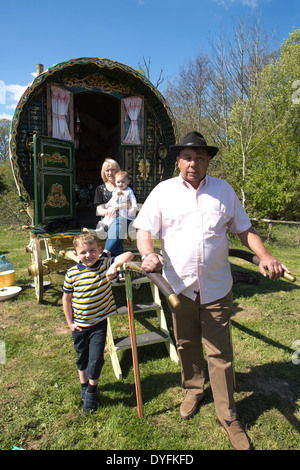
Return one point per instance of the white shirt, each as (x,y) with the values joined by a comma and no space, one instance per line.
(122,197)
(192,229)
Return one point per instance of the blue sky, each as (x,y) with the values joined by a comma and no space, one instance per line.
(171,32)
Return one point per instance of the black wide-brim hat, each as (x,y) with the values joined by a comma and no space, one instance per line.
(193,139)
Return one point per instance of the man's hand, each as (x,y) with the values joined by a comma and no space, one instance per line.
(152,262)
(252,240)
(273,265)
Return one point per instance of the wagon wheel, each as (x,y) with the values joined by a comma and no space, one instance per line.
(36,257)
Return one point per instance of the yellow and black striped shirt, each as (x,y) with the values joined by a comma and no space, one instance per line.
(92,298)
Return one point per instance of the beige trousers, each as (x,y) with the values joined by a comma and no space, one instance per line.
(194,323)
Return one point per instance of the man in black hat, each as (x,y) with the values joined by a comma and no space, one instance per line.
(191,214)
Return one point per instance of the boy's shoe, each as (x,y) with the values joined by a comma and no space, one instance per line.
(83,392)
(237,436)
(89,403)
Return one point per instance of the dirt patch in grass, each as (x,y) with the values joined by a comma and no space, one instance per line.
(246,312)
(270,386)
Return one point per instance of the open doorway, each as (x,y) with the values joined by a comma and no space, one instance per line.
(97,136)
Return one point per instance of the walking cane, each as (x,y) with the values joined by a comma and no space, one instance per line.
(165,288)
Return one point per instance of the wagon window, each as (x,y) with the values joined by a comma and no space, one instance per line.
(133,120)
(60,113)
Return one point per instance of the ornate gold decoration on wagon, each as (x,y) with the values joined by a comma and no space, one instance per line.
(54,158)
(96,81)
(162,152)
(29,144)
(144,169)
(56,198)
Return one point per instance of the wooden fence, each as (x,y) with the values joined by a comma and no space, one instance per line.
(271,222)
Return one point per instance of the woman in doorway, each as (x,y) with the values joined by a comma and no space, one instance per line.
(103,194)
(104,191)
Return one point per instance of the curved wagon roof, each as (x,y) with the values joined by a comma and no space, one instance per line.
(122,78)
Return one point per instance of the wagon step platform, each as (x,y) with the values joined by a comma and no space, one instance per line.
(138,308)
(142,339)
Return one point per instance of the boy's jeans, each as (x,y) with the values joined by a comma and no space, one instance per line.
(89,345)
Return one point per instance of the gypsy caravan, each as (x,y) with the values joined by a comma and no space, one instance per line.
(72,117)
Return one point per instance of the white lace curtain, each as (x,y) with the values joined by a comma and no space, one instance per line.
(60,99)
(133,107)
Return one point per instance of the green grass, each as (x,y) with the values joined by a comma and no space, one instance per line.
(39,389)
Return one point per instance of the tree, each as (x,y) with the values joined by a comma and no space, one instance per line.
(220,98)
(10,207)
(249,52)
(273,184)
(187,95)
(4,139)
(11,211)
(145,68)
(217,94)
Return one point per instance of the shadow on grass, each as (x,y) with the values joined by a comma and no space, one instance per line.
(273,386)
(152,387)
(261,337)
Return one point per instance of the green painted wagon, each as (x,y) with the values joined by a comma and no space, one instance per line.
(72,117)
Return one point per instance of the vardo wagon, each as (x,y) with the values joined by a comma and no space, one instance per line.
(72,117)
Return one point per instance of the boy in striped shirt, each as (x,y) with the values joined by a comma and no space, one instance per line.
(87,302)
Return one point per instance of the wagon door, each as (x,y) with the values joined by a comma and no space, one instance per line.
(54,179)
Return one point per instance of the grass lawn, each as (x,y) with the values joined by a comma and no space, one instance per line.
(40,405)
